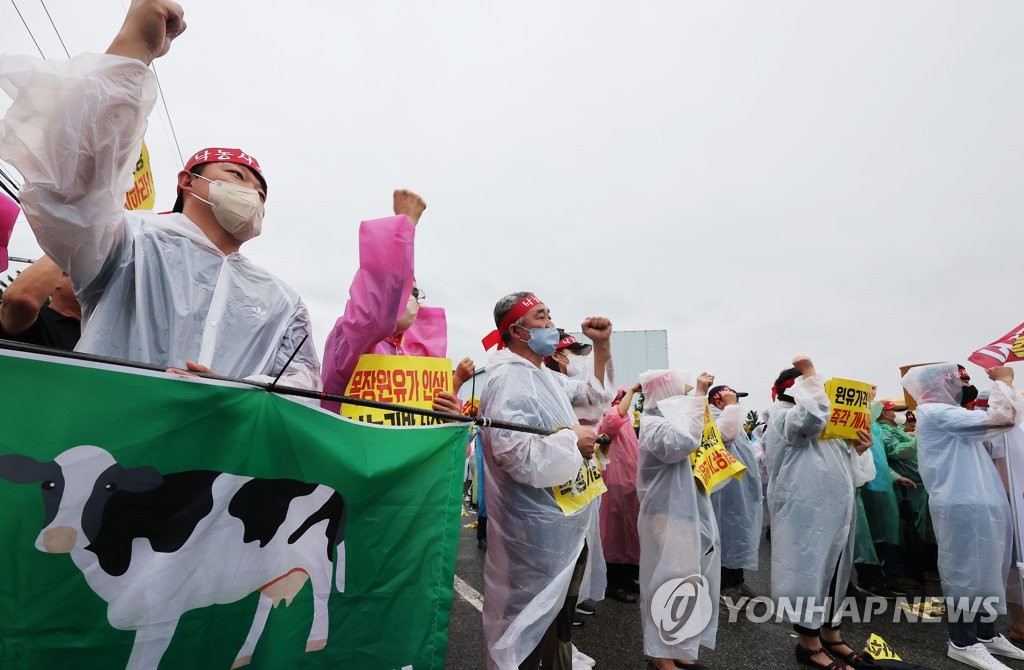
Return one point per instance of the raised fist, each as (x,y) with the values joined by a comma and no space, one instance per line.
(410,204)
(597,328)
(704,382)
(804,365)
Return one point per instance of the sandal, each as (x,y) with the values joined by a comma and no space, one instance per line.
(852,659)
(804,657)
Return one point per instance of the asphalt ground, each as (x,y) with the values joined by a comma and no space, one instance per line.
(614,639)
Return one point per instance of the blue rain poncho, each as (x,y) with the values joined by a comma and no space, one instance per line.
(811,502)
(678,531)
(738,507)
(969,509)
(153,288)
(532,546)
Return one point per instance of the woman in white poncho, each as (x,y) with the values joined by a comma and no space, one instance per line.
(679,547)
(811,501)
(969,509)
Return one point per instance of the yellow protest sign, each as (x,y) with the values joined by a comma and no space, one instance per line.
(712,463)
(142,194)
(412,381)
(851,409)
(578,492)
(879,649)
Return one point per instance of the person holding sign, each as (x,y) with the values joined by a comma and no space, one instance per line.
(167,289)
(678,533)
(811,503)
(538,488)
(738,508)
(969,509)
(385,313)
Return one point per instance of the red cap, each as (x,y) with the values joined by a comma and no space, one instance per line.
(220,155)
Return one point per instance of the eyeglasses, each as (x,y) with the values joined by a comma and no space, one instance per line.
(418,295)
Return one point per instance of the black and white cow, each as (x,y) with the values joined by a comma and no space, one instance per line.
(155,546)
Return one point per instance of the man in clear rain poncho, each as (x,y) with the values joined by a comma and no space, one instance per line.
(969,509)
(679,545)
(738,504)
(169,289)
(537,487)
(811,502)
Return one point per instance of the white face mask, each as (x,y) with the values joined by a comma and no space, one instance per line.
(578,367)
(238,209)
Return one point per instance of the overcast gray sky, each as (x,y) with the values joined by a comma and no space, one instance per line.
(761,179)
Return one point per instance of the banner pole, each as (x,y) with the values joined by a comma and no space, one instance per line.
(482,421)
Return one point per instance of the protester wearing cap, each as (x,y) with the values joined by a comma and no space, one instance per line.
(678,533)
(536,553)
(811,502)
(384,313)
(738,504)
(572,358)
(170,289)
(969,509)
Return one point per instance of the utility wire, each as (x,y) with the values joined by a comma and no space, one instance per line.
(167,112)
(41,2)
(28,29)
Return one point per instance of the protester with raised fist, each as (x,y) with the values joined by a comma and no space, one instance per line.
(811,502)
(679,541)
(969,509)
(538,488)
(168,289)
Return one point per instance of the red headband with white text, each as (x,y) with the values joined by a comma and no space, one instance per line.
(527,303)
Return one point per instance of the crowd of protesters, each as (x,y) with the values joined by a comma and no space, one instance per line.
(596,508)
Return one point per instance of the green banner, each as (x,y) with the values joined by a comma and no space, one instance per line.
(150,521)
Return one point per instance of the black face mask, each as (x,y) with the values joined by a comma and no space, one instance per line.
(968,394)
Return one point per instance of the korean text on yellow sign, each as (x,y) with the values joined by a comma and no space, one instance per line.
(142,194)
(578,492)
(413,381)
(851,409)
(712,463)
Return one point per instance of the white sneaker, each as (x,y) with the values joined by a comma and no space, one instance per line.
(581,661)
(976,656)
(1000,646)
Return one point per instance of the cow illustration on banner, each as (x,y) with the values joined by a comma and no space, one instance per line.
(154,521)
(283,532)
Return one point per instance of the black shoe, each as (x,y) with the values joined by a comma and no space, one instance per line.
(481,545)
(880,590)
(904,585)
(586,608)
(577,620)
(620,594)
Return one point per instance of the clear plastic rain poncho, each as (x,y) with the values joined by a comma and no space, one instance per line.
(969,509)
(738,507)
(678,531)
(153,288)
(532,546)
(811,502)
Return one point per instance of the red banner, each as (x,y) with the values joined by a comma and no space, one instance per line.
(1007,349)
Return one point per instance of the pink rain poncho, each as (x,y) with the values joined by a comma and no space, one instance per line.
(620,506)
(377,297)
